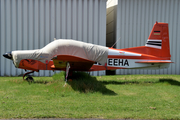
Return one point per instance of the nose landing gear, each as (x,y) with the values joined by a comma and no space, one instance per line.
(28,77)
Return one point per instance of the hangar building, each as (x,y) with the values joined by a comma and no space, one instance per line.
(31,24)
(132,22)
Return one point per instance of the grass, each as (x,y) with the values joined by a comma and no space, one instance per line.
(111,97)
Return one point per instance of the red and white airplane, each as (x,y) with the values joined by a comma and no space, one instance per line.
(71,55)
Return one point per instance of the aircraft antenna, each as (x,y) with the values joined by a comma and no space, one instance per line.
(115,42)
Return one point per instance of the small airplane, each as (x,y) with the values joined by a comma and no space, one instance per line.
(70,55)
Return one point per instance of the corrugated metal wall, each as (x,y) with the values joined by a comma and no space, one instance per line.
(31,24)
(135,19)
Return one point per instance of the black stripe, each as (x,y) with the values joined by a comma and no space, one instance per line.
(154,41)
(156,31)
(153,44)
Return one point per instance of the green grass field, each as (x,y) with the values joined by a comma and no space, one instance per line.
(112,97)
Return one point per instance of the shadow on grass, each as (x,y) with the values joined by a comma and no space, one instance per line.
(81,81)
(31,80)
(170,81)
(127,82)
(93,79)
(41,82)
(85,83)
(119,83)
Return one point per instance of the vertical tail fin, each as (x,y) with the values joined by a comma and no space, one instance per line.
(159,39)
(157,44)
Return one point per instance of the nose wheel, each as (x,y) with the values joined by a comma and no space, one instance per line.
(28,77)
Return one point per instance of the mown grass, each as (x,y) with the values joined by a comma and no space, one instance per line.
(118,96)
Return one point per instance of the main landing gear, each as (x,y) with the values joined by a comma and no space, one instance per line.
(28,77)
(67,71)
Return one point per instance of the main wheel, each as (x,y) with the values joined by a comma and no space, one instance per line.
(30,79)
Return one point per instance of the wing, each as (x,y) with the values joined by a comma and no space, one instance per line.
(76,63)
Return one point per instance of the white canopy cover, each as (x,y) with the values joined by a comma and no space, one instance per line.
(87,51)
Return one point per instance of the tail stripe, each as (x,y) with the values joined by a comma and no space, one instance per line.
(154,43)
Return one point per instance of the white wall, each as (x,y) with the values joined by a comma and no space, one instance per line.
(31,24)
(135,19)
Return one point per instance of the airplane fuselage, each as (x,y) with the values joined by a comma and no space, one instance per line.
(118,59)
(80,56)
